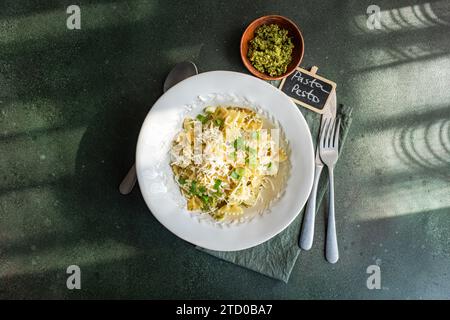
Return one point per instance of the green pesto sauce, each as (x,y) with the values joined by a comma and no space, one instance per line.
(270,52)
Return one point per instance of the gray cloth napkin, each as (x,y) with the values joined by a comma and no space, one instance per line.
(276,257)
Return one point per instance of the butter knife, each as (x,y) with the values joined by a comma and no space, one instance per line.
(307,234)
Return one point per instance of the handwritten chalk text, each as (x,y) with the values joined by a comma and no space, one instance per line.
(305,94)
(308,82)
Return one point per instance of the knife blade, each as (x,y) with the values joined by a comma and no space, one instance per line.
(307,234)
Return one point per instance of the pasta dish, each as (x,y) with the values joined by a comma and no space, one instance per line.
(224,158)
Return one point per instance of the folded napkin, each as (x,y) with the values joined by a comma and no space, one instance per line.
(276,257)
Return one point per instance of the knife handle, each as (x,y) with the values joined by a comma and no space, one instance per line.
(129,181)
(307,235)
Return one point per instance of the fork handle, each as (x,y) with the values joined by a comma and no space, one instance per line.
(331,250)
(307,236)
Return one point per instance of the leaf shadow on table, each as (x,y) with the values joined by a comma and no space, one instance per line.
(10,9)
(418,236)
(426,147)
(103,81)
(100,82)
(368,244)
(416,137)
(412,251)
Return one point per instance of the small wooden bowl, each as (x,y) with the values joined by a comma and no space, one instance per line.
(293,32)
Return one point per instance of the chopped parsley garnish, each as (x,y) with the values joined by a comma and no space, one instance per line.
(203,119)
(239,143)
(251,151)
(193,189)
(182,180)
(205,199)
(217,184)
(209,109)
(255,135)
(238,173)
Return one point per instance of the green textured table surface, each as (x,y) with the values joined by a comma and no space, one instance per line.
(72,102)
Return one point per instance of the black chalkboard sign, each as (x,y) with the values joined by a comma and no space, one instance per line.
(308,89)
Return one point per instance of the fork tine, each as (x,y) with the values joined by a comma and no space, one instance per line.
(331,135)
(328,133)
(322,133)
(336,137)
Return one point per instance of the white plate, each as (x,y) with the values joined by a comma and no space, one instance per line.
(155,177)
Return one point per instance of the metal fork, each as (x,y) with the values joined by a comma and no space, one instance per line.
(328,149)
